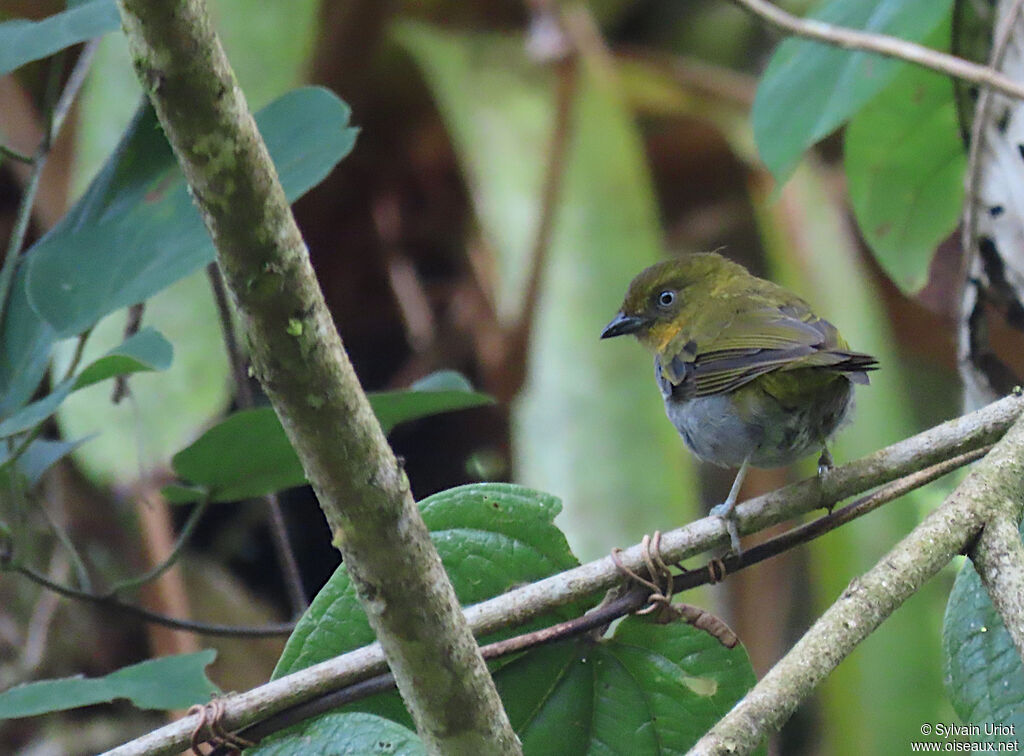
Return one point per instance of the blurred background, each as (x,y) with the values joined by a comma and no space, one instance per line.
(499,200)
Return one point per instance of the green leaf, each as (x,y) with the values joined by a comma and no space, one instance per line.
(350,734)
(144,351)
(33,414)
(245,455)
(171,682)
(23,41)
(650,688)
(984,676)
(24,349)
(905,164)
(248,454)
(136,230)
(810,89)
(444,391)
(491,537)
(39,457)
(589,425)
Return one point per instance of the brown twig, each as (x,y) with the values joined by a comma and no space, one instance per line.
(275,517)
(883,44)
(115,604)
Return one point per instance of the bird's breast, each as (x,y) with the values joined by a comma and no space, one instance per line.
(725,429)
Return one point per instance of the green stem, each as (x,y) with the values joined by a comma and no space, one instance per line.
(150,575)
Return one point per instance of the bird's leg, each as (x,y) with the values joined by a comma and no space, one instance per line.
(824,465)
(825,461)
(727,509)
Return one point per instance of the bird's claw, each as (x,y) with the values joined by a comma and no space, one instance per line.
(727,514)
(825,462)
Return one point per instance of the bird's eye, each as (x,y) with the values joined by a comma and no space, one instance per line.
(667,298)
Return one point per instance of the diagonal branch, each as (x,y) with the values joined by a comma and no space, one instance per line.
(998,556)
(305,372)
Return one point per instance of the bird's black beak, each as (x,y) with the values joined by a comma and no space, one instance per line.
(622,324)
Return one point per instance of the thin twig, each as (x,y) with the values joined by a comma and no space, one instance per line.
(157,570)
(42,619)
(123,607)
(227,326)
(567,76)
(13,154)
(81,571)
(275,517)
(76,358)
(883,44)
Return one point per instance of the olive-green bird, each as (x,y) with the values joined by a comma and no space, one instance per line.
(749,374)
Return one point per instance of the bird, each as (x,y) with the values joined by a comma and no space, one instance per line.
(749,374)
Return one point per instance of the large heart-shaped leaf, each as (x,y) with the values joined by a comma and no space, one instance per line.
(650,688)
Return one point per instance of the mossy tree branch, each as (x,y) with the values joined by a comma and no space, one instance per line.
(301,363)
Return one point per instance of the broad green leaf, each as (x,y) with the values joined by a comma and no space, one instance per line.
(171,682)
(648,689)
(905,165)
(144,351)
(23,41)
(810,89)
(984,675)
(349,734)
(248,454)
(39,457)
(33,414)
(589,425)
(136,231)
(245,455)
(491,537)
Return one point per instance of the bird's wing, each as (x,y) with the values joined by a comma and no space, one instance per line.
(752,341)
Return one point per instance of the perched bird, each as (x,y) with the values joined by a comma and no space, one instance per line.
(749,374)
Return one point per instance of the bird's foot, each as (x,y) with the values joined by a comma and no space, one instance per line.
(825,462)
(726,512)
